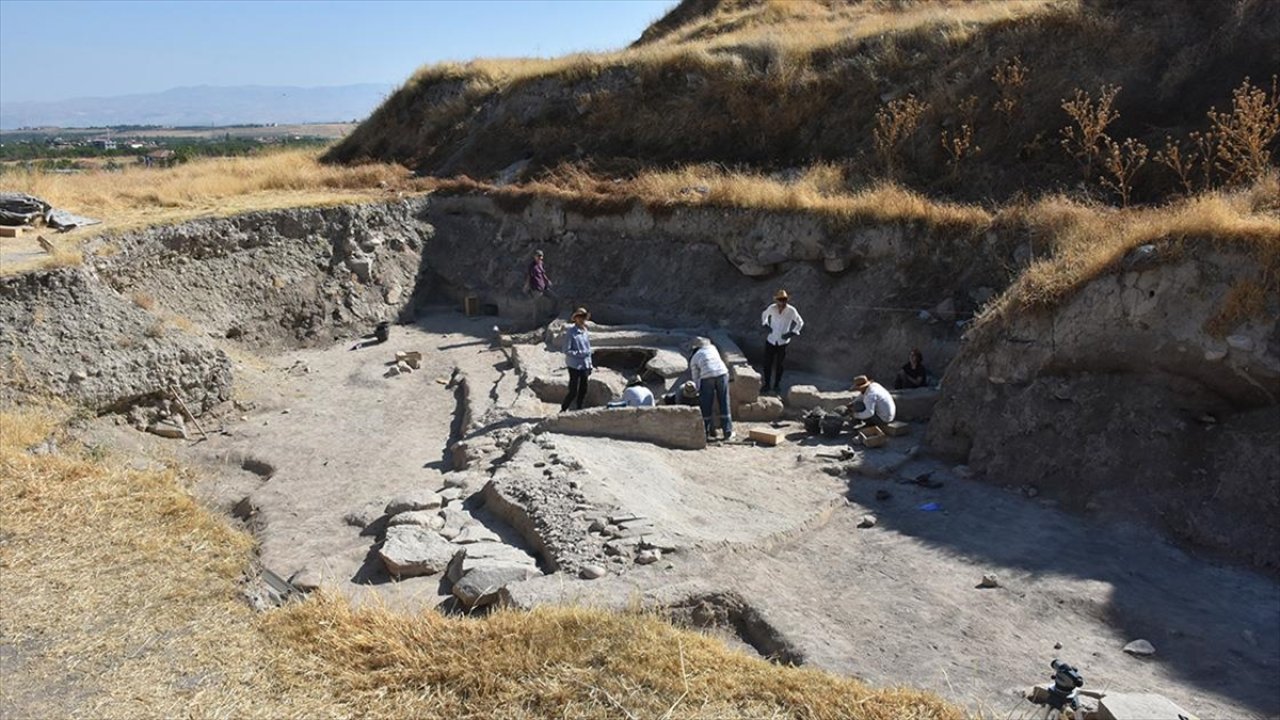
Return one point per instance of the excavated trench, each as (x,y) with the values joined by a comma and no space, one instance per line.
(169,324)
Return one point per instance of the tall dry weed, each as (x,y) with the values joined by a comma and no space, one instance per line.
(1246,133)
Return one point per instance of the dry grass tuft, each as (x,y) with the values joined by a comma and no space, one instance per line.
(119,600)
(1079,242)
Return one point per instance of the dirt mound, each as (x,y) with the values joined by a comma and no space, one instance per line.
(277,279)
(1123,400)
(775,87)
(66,335)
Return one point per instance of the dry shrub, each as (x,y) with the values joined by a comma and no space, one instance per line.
(1085,141)
(1010,77)
(1122,161)
(1245,135)
(895,123)
(135,614)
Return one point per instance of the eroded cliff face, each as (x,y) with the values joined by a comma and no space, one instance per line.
(861,290)
(1120,398)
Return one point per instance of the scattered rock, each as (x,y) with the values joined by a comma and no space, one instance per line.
(592,572)
(450,493)
(480,585)
(1244,343)
(171,427)
(454,521)
(648,557)
(867,521)
(475,533)
(78,376)
(1140,648)
(1214,355)
(1207,419)
(365,516)
(1030,490)
(989,581)
(412,550)
(429,519)
(413,500)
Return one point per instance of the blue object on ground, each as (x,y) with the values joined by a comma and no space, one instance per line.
(931,507)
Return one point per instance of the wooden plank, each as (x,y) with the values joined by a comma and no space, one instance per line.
(10,231)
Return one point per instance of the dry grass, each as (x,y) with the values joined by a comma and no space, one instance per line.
(1080,242)
(820,189)
(136,197)
(119,600)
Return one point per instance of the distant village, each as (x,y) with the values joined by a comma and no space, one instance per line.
(76,150)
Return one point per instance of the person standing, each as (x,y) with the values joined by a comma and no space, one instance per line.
(783,322)
(577,358)
(708,371)
(538,285)
(878,407)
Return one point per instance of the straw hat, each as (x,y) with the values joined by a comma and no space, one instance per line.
(689,389)
(781,295)
(862,382)
(580,313)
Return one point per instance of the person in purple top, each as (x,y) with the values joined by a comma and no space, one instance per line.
(538,286)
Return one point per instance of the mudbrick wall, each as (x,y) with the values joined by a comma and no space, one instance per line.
(1121,400)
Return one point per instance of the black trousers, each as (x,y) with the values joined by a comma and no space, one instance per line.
(774,356)
(577,389)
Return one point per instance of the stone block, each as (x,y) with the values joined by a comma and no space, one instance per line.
(807,397)
(915,405)
(897,428)
(666,364)
(412,550)
(674,426)
(765,409)
(745,387)
(766,437)
(1139,706)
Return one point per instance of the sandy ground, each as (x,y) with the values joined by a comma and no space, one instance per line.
(892,604)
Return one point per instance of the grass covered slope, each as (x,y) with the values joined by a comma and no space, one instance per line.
(119,598)
(963,99)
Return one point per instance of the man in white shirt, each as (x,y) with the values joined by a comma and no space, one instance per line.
(878,407)
(637,395)
(708,371)
(783,322)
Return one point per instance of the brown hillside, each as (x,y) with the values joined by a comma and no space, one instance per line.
(955,99)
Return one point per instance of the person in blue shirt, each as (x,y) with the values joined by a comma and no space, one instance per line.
(577,358)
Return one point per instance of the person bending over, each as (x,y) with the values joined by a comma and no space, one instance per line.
(711,375)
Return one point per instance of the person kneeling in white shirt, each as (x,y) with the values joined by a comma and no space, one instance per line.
(637,395)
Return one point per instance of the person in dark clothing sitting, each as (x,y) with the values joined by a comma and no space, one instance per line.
(913,374)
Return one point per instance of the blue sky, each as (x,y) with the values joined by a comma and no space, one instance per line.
(58,49)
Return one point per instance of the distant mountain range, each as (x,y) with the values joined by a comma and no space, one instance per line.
(203,105)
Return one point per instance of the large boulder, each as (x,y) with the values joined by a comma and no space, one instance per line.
(412,550)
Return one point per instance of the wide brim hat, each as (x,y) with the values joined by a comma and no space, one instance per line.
(580,313)
(781,295)
(862,382)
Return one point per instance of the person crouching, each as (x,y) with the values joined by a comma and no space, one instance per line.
(878,407)
(709,372)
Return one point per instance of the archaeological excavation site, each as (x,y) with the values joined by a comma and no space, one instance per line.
(366,396)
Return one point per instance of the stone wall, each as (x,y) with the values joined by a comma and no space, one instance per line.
(677,426)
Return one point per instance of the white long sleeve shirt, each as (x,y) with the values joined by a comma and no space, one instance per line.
(781,322)
(637,396)
(876,400)
(706,363)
